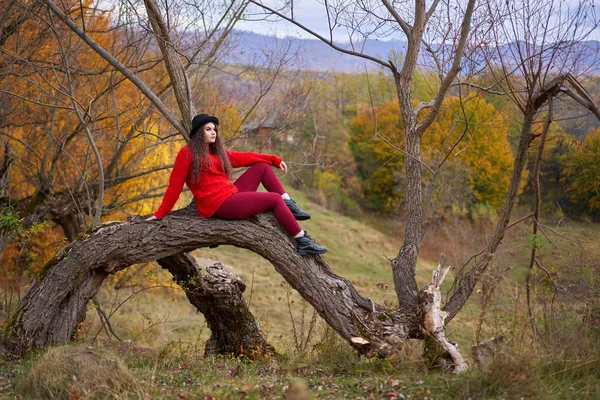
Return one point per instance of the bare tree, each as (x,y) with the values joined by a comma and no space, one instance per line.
(443,29)
(421,25)
(538,42)
(535,56)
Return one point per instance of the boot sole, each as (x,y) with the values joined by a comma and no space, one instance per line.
(303,253)
(301,218)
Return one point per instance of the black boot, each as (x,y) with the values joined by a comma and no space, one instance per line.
(299,214)
(305,245)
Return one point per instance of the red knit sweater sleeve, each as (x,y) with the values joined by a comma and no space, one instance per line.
(245,159)
(176,181)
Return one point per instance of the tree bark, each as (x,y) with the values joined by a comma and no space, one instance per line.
(218,296)
(63,208)
(55,304)
(404,264)
(441,352)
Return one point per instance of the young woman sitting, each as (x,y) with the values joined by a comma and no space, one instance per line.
(205,165)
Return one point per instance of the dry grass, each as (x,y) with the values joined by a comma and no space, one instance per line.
(69,372)
(564,363)
(562,369)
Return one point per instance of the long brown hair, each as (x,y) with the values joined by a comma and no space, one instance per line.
(200,159)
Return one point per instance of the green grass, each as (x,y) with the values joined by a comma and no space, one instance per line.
(165,334)
(178,370)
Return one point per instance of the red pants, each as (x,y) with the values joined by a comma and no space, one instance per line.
(248,202)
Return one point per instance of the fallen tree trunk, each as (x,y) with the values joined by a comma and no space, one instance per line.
(55,304)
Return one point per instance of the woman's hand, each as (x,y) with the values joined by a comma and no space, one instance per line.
(151,218)
(283,167)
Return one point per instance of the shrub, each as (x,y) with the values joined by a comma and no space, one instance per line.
(79,371)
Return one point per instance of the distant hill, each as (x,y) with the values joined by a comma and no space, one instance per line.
(315,55)
(311,53)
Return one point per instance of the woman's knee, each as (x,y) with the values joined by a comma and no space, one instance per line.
(261,166)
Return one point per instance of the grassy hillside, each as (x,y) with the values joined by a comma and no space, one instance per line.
(161,356)
(155,311)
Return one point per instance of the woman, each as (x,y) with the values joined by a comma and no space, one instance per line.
(206,167)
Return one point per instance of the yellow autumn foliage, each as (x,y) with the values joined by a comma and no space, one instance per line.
(583,173)
(472,135)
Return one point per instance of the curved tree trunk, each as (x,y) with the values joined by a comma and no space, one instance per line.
(218,297)
(55,303)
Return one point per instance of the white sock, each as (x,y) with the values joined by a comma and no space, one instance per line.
(299,234)
(286,196)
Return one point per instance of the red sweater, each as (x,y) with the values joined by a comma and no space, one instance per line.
(213,187)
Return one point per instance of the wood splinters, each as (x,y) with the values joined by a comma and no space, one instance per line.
(359,340)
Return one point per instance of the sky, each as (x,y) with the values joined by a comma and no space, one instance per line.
(312,14)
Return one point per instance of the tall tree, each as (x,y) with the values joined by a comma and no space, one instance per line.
(422,26)
(538,50)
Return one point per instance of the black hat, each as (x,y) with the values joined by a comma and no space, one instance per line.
(200,120)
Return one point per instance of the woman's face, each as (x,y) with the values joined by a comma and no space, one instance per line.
(210,132)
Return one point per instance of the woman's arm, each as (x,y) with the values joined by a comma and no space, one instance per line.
(176,181)
(245,159)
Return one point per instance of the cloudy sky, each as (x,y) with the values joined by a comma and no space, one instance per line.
(312,14)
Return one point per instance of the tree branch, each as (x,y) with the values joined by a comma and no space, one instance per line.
(120,67)
(324,40)
(445,85)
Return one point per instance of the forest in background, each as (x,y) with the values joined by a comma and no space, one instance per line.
(65,112)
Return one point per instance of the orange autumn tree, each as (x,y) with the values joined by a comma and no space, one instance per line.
(73,128)
(476,137)
(83,138)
